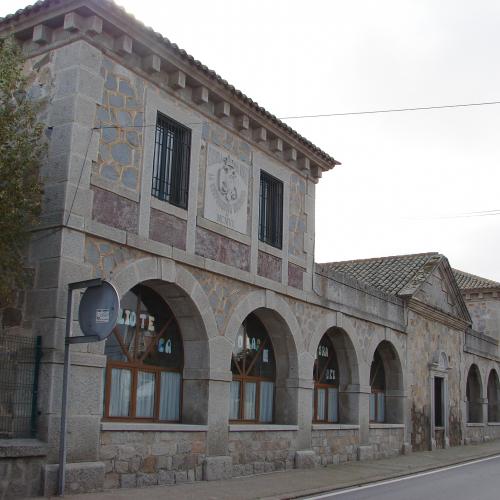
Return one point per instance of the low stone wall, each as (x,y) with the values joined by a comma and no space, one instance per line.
(21,464)
(151,458)
(475,433)
(492,431)
(386,440)
(257,451)
(335,444)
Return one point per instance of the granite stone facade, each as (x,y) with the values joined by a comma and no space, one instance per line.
(102,79)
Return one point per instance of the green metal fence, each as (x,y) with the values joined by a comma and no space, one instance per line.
(19,369)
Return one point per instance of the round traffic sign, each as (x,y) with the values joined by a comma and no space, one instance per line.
(98,310)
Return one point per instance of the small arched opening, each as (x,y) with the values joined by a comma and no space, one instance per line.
(156,346)
(336,380)
(264,371)
(493,397)
(386,383)
(473,394)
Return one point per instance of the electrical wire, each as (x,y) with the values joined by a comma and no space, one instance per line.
(391,110)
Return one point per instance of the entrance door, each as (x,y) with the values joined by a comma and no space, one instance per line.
(439,412)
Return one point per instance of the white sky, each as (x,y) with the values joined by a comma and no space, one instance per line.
(400,172)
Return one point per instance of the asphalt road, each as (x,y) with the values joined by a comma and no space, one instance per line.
(478,480)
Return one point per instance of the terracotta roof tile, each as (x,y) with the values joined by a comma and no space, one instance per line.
(467,281)
(394,275)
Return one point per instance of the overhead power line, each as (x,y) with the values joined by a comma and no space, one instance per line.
(393,110)
(483,213)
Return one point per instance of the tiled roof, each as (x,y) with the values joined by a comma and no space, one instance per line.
(467,281)
(46,4)
(396,275)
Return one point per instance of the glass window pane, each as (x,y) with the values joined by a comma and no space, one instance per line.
(145,394)
(333,412)
(234,400)
(380,407)
(372,406)
(266,401)
(119,400)
(250,392)
(321,393)
(170,396)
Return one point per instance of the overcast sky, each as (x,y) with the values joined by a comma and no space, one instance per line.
(404,176)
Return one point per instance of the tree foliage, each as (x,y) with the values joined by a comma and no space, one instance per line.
(21,150)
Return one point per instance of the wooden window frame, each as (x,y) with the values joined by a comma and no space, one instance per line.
(318,385)
(136,365)
(242,377)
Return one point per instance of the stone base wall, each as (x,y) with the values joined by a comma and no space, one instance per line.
(492,431)
(474,433)
(386,441)
(21,467)
(478,433)
(254,452)
(21,477)
(333,446)
(151,458)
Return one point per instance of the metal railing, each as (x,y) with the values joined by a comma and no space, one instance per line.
(19,370)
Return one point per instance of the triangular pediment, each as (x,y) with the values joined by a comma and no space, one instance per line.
(440,291)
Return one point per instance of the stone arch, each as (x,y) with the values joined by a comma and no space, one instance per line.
(474,392)
(493,392)
(191,308)
(394,393)
(284,332)
(348,367)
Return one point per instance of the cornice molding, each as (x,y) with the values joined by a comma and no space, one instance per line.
(434,314)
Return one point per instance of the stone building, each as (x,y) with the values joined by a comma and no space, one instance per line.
(234,352)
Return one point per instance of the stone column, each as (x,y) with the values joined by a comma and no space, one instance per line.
(304,456)
(218,464)
(365,449)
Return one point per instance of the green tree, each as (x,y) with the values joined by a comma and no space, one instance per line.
(21,150)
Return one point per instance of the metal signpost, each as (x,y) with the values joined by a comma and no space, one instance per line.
(97,317)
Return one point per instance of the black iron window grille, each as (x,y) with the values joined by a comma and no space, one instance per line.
(19,369)
(171,162)
(271,210)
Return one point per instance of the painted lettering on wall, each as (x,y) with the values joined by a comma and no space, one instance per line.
(165,346)
(323,351)
(128,317)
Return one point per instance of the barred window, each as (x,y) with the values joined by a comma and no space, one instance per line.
(171,162)
(271,210)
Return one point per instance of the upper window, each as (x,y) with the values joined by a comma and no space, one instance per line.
(271,210)
(171,162)
(252,388)
(145,360)
(326,383)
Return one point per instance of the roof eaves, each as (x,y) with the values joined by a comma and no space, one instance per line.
(181,53)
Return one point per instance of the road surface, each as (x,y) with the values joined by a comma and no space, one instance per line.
(477,480)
